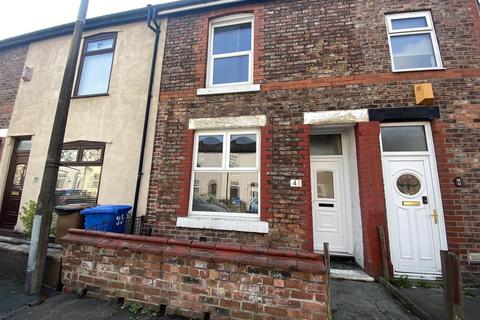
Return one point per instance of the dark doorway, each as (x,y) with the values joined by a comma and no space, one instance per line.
(14,184)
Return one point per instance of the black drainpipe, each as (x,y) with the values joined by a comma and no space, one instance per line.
(155,27)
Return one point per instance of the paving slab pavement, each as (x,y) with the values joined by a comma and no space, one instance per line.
(14,306)
(356,300)
(430,300)
(12,298)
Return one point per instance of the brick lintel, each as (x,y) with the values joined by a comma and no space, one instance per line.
(220,253)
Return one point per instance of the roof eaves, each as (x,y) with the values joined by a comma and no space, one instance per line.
(124,17)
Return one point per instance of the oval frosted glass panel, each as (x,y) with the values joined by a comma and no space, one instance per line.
(413,51)
(326,145)
(95,74)
(409,23)
(406,138)
(243,151)
(210,150)
(232,38)
(228,70)
(325,188)
(102,44)
(69,155)
(408,184)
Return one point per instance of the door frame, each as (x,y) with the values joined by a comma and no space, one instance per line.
(345,159)
(435,183)
(7,181)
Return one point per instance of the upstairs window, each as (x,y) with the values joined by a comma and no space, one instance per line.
(226,174)
(230,52)
(413,43)
(96,65)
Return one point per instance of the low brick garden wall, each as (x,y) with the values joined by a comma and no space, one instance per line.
(196,279)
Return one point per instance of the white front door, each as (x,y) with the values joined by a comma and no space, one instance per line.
(329,196)
(414,211)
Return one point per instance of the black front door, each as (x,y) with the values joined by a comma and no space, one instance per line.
(14,186)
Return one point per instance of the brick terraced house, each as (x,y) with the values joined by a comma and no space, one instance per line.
(282,125)
(286,124)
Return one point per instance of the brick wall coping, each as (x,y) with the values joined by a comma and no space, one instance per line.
(219,253)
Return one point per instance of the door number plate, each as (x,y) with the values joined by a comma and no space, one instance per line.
(295,183)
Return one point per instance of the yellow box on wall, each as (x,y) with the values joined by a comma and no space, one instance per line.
(423,93)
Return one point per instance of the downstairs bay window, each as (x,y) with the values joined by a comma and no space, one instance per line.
(226,175)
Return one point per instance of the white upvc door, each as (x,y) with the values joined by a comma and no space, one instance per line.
(414,210)
(330,202)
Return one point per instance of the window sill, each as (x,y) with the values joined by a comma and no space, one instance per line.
(91,96)
(226,224)
(228,89)
(422,69)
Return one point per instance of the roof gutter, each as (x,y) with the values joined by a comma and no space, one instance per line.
(205,4)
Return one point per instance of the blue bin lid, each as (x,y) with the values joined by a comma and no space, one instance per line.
(106,209)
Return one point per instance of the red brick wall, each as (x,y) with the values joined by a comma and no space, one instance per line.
(370,180)
(192,279)
(315,55)
(457,150)
(11,67)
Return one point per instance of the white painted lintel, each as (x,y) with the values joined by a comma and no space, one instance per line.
(227,122)
(336,116)
(253,226)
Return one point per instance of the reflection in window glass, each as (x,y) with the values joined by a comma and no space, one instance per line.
(24,145)
(210,150)
(409,23)
(90,155)
(243,151)
(325,187)
(69,155)
(413,51)
(77,184)
(326,145)
(404,138)
(235,192)
(212,188)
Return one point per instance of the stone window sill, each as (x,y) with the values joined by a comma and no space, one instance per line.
(228,89)
(225,224)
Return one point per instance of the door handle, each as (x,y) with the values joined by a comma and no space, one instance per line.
(435,216)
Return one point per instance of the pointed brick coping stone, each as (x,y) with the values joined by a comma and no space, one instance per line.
(221,253)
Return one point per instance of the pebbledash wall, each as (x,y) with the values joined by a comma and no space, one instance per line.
(318,56)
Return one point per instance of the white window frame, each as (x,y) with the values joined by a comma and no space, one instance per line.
(225,169)
(430,29)
(233,87)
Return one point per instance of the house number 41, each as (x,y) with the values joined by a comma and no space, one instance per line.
(296,183)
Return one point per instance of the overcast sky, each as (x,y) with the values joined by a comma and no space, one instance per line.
(23,16)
